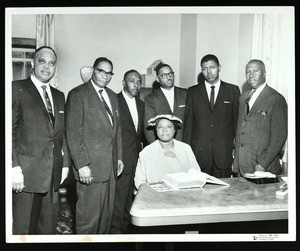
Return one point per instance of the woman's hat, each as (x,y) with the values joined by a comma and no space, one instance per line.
(153,121)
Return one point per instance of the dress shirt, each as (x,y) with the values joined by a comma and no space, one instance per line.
(208,89)
(169,94)
(38,84)
(256,94)
(105,96)
(132,108)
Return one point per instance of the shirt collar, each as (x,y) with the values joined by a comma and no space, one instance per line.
(216,85)
(167,90)
(260,88)
(38,82)
(127,97)
(97,88)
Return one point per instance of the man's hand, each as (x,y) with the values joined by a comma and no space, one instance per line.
(85,175)
(120,167)
(17,179)
(259,167)
(64,174)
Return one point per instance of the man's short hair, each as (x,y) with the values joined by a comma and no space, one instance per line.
(209,57)
(159,66)
(258,62)
(131,71)
(102,59)
(44,47)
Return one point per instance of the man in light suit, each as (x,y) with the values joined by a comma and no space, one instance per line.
(94,139)
(131,118)
(262,124)
(167,99)
(211,119)
(39,147)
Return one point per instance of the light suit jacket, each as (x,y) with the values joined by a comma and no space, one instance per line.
(37,147)
(156,103)
(91,138)
(150,161)
(262,133)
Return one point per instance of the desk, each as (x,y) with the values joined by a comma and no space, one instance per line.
(241,201)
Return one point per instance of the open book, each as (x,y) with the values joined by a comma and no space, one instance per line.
(191,179)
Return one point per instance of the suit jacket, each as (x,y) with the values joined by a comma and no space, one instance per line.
(131,139)
(262,133)
(37,146)
(211,132)
(92,140)
(156,103)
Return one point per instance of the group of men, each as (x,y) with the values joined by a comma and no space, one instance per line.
(100,134)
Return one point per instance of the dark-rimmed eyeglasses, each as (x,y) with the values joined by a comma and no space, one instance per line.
(103,73)
(165,75)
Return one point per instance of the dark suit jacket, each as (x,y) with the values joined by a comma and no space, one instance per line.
(36,145)
(156,103)
(131,139)
(262,133)
(211,132)
(91,138)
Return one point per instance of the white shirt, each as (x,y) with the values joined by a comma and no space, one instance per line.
(256,94)
(38,84)
(169,94)
(105,96)
(131,102)
(208,89)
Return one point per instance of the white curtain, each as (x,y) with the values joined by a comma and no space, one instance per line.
(273,43)
(45,36)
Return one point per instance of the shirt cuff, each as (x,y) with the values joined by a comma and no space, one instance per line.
(16,169)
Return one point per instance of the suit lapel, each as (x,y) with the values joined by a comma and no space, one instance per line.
(260,99)
(124,106)
(139,106)
(163,99)
(36,95)
(221,94)
(102,114)
(55,105)
(204,95)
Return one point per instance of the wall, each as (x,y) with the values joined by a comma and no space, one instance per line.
(131,41)
(218,34)
(23,26)
(135,41)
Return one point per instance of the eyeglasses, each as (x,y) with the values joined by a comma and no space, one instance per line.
(103,73)
(164,75)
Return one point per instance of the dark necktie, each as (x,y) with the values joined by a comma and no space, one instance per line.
(107,107)
(48,104)
(212,97)
(247,101)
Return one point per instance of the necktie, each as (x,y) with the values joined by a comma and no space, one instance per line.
(212,97)
(48,105)
(247,101)
(107,107)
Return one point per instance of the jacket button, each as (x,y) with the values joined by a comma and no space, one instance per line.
(50,158)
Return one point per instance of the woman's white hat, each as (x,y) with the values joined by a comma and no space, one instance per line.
(153,121)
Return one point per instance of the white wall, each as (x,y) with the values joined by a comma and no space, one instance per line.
(129,41)
(218,34)
(23,26)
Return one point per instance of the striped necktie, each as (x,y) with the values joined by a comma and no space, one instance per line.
(48,105)
(107,108)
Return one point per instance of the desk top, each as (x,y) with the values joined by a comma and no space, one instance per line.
(241,201)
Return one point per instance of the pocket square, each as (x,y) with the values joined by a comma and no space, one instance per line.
(226,102)
(61,112)
(181,105)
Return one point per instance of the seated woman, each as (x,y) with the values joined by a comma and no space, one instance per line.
(166,154)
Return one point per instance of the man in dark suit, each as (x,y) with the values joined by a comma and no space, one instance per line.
(167,99)
(94,139)
(132,118)
(211,118)
(262,124)
(39,147)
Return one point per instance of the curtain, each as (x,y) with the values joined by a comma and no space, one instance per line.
(273,43)
(45,36)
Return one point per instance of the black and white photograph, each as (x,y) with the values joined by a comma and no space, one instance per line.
(150,124)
